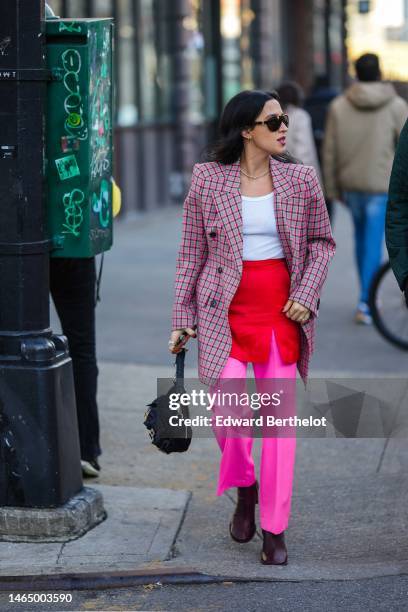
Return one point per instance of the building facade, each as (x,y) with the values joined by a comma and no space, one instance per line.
(178,62)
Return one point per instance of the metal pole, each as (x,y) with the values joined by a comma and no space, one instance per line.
(39,444)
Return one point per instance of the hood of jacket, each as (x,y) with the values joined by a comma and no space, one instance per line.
(370,96)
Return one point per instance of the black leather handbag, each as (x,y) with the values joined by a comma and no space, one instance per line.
(169,438)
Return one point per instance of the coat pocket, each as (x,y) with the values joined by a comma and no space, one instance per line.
(208,285)
(209,300)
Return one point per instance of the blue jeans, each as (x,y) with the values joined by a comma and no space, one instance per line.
(368,212)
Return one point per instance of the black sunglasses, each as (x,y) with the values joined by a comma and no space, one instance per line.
(274,122)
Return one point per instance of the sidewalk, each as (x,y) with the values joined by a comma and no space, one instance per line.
(349,517)
(348,521)
(142,525)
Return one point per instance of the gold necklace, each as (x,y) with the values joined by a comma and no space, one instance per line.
(254,177)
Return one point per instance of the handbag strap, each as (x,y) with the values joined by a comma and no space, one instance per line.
(180,357)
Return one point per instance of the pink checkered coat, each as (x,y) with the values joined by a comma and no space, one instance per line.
(209,262)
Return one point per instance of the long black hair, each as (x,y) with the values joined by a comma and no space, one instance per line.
(240,113)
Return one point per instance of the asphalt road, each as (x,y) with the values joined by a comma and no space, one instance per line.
(380,595)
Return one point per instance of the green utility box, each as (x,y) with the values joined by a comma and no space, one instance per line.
(79,136)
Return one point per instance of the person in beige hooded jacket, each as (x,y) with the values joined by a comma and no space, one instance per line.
(362,130)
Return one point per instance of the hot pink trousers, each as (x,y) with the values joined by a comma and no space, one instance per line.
(277,453)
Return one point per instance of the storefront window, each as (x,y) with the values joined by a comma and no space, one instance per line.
(247,56)
(383,30)
(231,49)
(148,61)
(193,23)
(163,72)
(125,32)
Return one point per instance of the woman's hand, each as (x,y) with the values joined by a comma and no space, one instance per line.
(297,312)
(175,335)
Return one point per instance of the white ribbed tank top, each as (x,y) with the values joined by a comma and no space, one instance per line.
(261,239)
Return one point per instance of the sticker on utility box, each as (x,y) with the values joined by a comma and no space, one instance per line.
(67,167)
(8,151)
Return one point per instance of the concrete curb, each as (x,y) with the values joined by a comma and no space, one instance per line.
(68,522)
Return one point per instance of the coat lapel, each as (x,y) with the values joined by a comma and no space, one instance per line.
(229,206)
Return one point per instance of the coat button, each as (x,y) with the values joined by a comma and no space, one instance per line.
(213,303)
(219,269)
(213,233)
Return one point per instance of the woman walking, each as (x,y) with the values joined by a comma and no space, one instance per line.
(300,140)
(255,249)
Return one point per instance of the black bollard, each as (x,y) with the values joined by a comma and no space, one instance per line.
(39,443)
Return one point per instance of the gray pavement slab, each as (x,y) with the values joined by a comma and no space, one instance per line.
(141,527)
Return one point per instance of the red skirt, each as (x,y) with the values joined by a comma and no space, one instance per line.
(256,309)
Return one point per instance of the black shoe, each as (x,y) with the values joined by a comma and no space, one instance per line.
(274,550)
(242,527)
(90,469)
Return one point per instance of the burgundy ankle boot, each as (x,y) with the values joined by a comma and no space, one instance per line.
(274,550)
(242,527)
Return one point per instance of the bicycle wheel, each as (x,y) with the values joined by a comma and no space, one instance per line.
(388,307)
